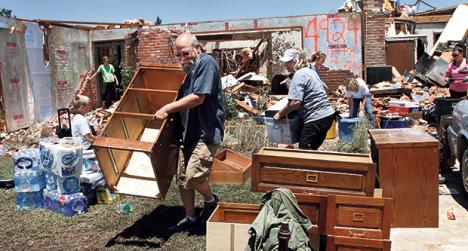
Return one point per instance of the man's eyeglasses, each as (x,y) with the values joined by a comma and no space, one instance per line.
(455,55)
(183,53)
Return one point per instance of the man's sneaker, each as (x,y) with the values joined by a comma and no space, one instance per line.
(208,209)
(184,225)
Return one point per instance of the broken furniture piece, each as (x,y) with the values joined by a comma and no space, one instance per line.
(135,150)
(230,167)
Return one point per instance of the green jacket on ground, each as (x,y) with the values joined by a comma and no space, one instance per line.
(277,206)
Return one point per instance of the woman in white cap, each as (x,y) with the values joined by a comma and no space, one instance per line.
(307,95)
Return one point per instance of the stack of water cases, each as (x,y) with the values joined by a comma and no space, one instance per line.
(63,161)
(29,179)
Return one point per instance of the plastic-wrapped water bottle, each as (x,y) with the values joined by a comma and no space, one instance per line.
(29,200)
(68,185)
(51,181)
(46,152)
(74,204)
(29,181)
(22,161)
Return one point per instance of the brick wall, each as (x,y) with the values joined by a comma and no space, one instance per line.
(334,78)
(88,89)
(150,46)
(374,33)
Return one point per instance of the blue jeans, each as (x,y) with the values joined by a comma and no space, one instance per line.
(354,109)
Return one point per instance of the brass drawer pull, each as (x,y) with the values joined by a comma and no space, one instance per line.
(312,178)
(358,217)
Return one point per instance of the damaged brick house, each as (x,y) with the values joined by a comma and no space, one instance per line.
(352,41)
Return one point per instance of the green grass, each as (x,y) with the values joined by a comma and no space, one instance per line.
(6,168)
(103,227)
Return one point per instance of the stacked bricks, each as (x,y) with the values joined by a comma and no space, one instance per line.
(334,78)
(374,33)
(88,89)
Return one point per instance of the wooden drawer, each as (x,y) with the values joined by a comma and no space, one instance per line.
(227,228)
(317,172)
(361,217)
(230,168)
(315,208)
(339,243)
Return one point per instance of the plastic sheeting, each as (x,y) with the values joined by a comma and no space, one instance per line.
(16,86)
(38,72)
(69,59)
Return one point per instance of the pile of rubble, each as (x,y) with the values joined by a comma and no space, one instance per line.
(30,137)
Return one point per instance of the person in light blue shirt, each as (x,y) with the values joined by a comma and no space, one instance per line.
(307,94)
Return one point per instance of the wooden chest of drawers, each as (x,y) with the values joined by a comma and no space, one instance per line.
(408,161)
(362,217)
(315,172)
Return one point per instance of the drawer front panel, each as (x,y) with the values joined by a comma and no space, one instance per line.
(359,217)
(339,243)
(312,178)
(363,217)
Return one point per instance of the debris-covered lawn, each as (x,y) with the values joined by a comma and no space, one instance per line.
(104,227)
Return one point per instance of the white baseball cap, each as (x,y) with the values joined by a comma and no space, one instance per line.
(289,55)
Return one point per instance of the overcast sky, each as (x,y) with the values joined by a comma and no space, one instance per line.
(171,11)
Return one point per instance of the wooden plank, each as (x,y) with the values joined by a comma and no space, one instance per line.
(340,243)
(427,19)
(247,108)
(105,165)
(316,155)
(135,115)
(396,74)
(138,187)
(152,91)
(163,79)
(315,164)
(122,144)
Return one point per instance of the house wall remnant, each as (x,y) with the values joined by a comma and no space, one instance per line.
(150,46)
(39,72)
(18,98)
(374,38)
(338,35)
(431,30)
(69,59)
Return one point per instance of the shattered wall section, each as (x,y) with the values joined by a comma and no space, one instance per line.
(16,86)
(150,46)
(39,73)
(281,41)
(69,57)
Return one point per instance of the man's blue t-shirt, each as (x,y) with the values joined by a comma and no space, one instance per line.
(206,121)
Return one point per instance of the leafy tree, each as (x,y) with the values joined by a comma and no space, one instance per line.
(5,12)
(158,21)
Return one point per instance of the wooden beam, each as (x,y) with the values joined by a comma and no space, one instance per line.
(150,91)
(247,108)
(426,19)
(123,144)
(134,115)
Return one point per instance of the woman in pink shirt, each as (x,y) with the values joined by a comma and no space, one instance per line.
(457,71)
